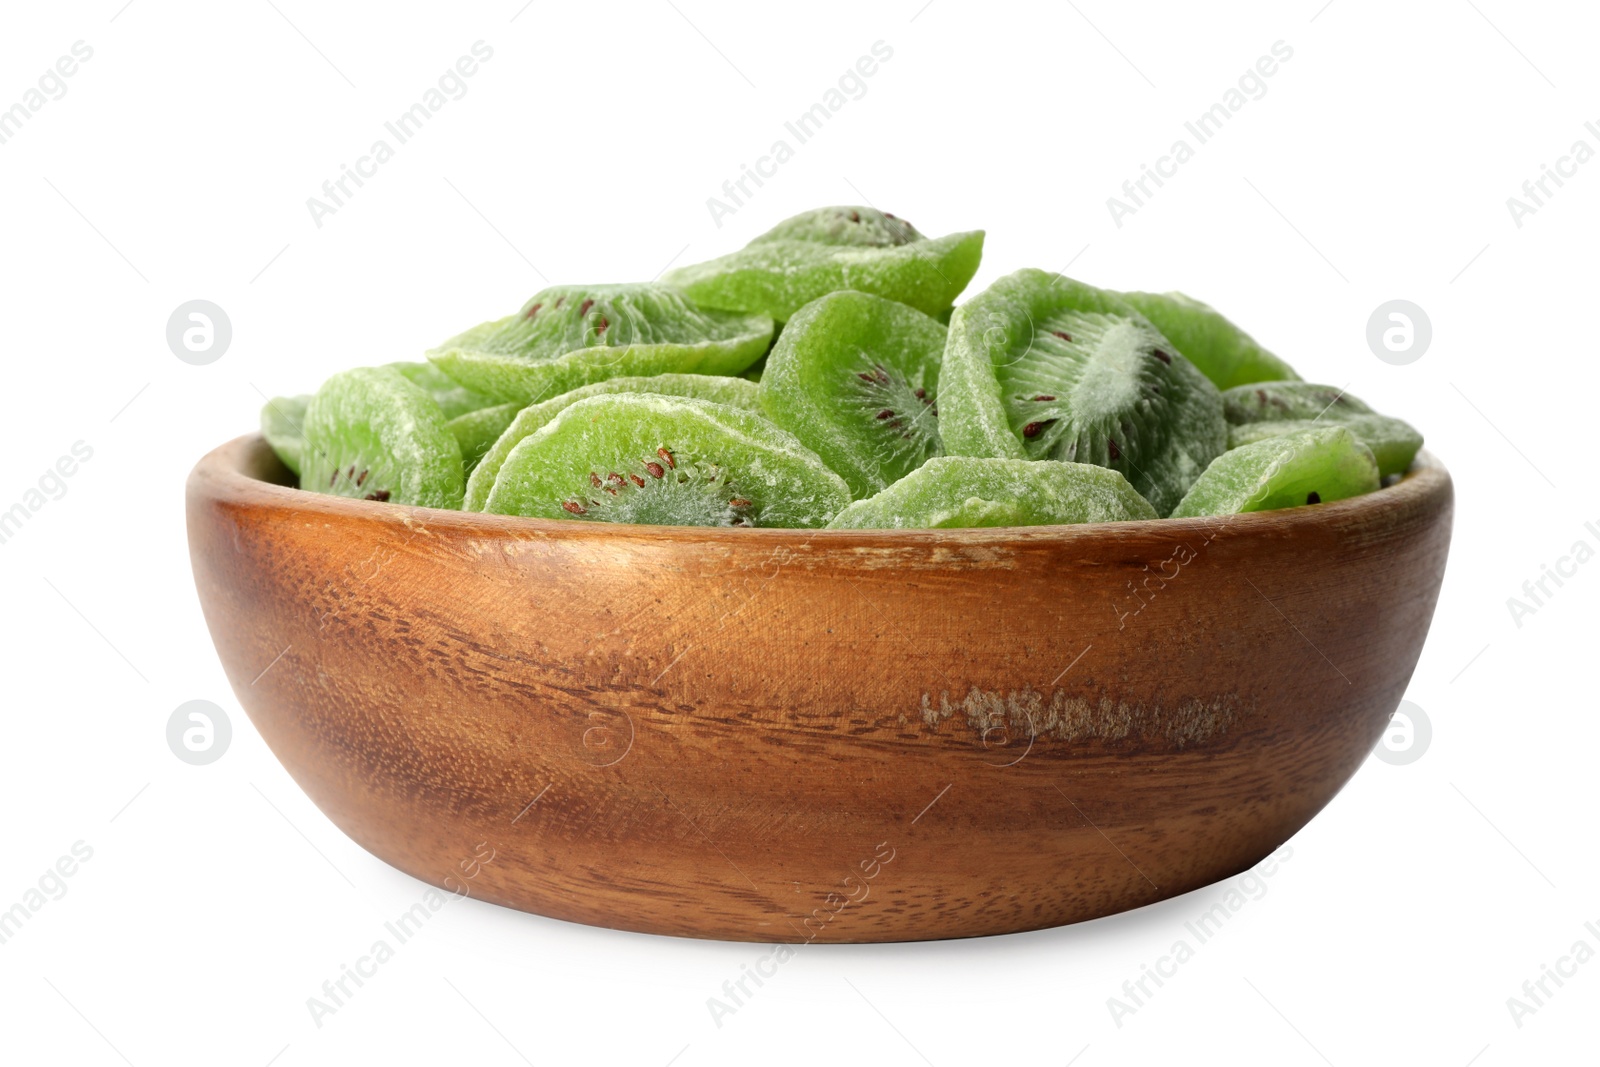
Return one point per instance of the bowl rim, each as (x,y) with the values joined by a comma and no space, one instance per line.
(237,472)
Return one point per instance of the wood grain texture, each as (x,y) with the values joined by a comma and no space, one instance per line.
(788,735)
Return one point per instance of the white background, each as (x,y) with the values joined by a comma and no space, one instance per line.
(1376,166)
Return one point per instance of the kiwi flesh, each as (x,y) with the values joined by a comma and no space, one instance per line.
(1269,400)
(283,427)
(1316,466)
(1223,352)
(959,491)
(855,377)
(373,434)
(477,431)
(567,336)
(1393,442)
(453,398)
(828,249)
(844,227)
(1269,409)
(664,460)
(735,392)
(754,371)
(1039,366)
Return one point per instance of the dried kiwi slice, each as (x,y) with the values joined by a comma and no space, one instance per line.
(1268,409)
(735,392)
(855,377)
(1223,352)
(671,461)
(1043,367)
(453,398)
(755,370)
(846,227)
(1265,400)
(1308,467)
(572,335)
(1393,443)
(952,491)
(373,434)
(835,248)
(283,426)
(477,431)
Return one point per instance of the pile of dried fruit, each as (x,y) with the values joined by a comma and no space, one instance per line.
(877,405)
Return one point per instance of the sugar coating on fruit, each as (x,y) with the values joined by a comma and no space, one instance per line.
(855,377)
(1043,367)
(735,392)
(634,457)
(823,251)
(372,434)
(567,336)
(1307,467)
(1223,352)
(951,492)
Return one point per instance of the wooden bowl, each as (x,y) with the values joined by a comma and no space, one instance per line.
(790,735)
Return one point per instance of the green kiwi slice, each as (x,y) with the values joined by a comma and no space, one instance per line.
(373,434)
(834,248)
(855,377)
(664,460)
(283,426)
(958,491)
(755,370)
(571,335)
(1393,442)
(1269,400)
(1223,352)
(477,431)
(1043,367)
(845,227)
(453,398)
(735,392)
(1307,467)
(1268,409)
